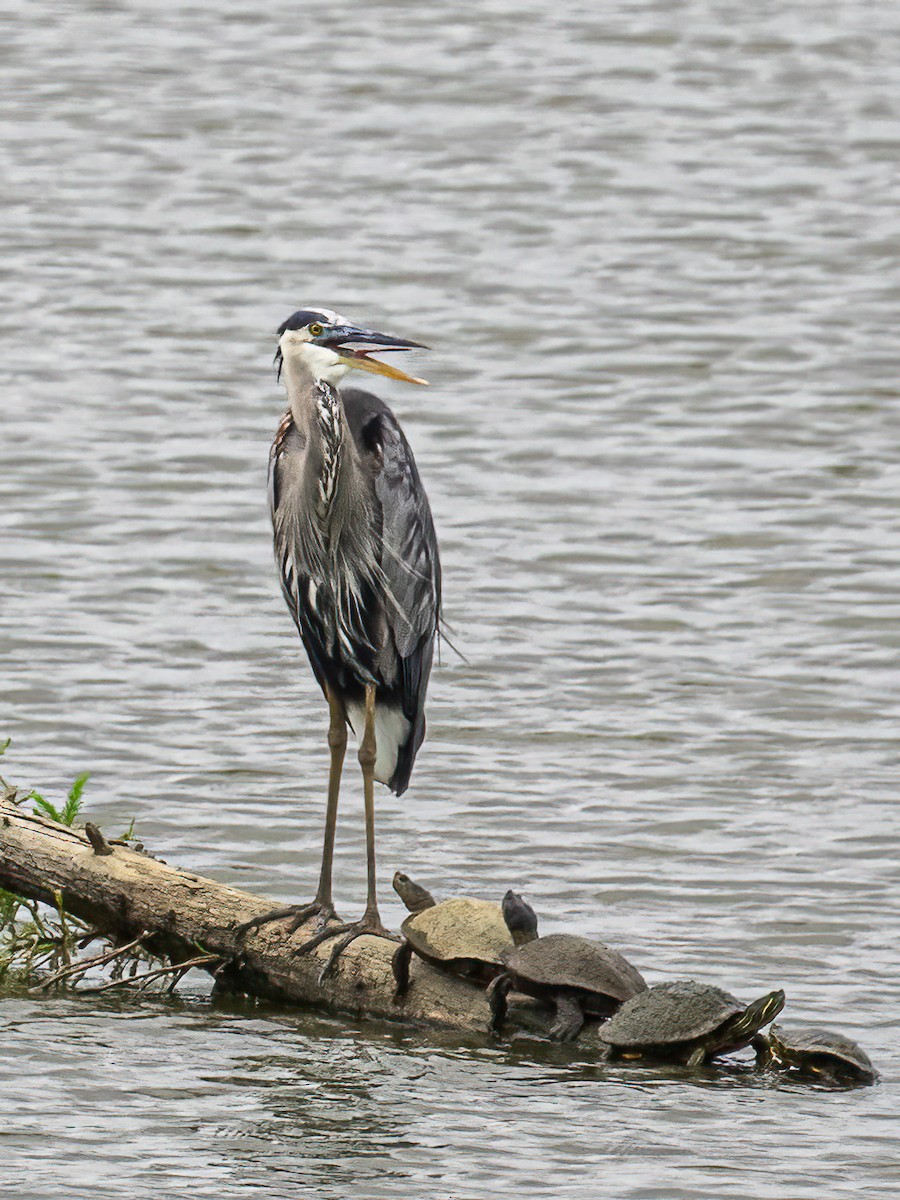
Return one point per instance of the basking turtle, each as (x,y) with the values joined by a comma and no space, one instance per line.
(686,1021)
(460,935)
(413,895)
(812,1050)
(578,976)
(519,917)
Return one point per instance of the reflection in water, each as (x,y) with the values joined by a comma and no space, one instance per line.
(652,248)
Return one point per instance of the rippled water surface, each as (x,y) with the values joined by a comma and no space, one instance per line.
(655,249)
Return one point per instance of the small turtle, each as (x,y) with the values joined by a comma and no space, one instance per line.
(578,976)
(413,895)
(460,935)
(686,1021)
(811,1050)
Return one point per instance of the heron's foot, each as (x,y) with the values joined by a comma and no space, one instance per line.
(299,914)
(348,932)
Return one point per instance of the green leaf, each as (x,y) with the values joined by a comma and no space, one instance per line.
(70,810)
(4,746)
(42,806)
(73,803)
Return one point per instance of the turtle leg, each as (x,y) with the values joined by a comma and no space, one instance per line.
(569,1019)
(497,991)
(697,1057)
(764,1056)
(400,967)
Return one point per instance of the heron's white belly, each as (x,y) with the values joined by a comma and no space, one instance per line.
(391,731)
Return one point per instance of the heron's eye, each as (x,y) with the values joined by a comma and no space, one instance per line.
(316,330)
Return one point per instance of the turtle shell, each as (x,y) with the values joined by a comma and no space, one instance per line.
(564,960)
(678,1011)
(799,1042)
(458,928)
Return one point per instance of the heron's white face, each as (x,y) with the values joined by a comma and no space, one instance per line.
(297,350)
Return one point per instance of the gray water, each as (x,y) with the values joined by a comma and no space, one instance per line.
(654,247)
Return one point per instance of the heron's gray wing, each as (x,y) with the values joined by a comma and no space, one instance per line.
(409,558)
(409,546)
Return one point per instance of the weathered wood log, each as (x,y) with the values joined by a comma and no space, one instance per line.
(124,892)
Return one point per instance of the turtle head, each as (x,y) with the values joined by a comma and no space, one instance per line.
(746,1024)
(520,918)
(414,896)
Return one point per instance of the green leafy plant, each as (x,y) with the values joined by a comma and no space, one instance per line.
(42,945)
(41,948)
(70,810)
(129,835)
(37,937)
(34,937)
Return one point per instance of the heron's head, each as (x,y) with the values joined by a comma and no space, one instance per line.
(327,346)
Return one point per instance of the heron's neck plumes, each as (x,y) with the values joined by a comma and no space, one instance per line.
(329,415)
(318,415)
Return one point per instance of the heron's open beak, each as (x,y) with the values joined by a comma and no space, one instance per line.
(354,346)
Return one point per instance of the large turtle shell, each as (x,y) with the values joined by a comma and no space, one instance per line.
(564,960)
(799,1042)
(458,928)
(678,1011)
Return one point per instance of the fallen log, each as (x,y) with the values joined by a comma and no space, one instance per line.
(125,894)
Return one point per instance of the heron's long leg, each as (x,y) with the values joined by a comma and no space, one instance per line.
(323,905)
(371,919)
(337,741)
(367,755)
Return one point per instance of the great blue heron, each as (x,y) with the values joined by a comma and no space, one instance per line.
(358,558)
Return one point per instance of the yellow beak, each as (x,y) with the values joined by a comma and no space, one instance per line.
(379,368)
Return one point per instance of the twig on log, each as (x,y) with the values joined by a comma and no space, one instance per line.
(86,964)
(178,969)
(96,838)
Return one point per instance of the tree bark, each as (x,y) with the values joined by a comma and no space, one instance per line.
(124,893)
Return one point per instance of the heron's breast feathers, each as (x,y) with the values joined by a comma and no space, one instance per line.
(358,568)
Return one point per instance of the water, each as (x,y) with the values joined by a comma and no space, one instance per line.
(654,247)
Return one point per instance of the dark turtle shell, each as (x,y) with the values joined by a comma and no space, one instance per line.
(821,1051)
(677,1011)
(458,928)
(564,960)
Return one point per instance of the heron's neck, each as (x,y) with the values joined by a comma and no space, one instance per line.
(319,414)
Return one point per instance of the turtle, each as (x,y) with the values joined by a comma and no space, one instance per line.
(686,1021)
(519,917)
(413,895)
(578,976)
(461,935)
(812,1050)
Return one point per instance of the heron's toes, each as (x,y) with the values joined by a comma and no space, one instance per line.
(299,914)
(323,935)
(347,932)
(325,913)
(360,929)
